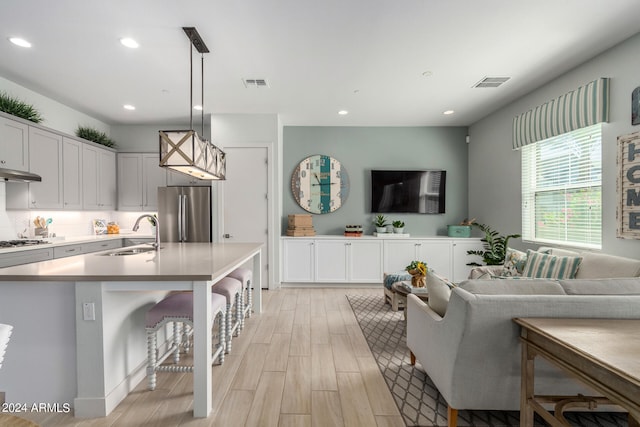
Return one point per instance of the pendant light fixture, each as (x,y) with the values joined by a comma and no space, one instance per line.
(186,151)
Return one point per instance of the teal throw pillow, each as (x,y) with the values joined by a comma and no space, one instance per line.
(545,266)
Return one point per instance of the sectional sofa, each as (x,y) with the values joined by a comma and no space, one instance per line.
(469,345)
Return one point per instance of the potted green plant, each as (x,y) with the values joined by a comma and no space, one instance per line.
(495,246)
(95,135)
(381,223)
(398,226)
(16,107)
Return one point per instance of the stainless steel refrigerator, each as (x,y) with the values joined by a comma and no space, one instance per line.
(184,214)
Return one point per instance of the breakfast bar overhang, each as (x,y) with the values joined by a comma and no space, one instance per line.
(111,285)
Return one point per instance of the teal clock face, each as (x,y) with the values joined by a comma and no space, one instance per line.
(320,184)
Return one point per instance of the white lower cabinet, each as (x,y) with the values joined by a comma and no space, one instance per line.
(330,261)
(298,260)
(365,261)
(348,260)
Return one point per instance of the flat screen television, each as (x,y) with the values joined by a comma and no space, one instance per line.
(405,191)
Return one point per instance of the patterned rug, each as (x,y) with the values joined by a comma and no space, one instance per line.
(419,401)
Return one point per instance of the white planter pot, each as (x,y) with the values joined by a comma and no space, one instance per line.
(381,229)
(398,230)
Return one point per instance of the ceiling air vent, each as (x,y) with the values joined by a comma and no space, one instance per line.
(255,83)
(491,81)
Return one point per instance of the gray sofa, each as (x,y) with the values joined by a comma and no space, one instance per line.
(472,351)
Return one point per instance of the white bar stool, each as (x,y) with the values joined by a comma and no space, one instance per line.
(245,275)
(178,308)
(231,289)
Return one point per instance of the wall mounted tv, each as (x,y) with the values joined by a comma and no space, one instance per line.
(404,191)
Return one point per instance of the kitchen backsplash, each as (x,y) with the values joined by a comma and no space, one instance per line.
(64,223)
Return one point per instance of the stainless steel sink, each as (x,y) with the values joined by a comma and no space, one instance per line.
(128,251)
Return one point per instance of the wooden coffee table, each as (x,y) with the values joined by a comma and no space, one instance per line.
(402,293)
(602,353)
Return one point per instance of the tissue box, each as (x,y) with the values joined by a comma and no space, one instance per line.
(459,230)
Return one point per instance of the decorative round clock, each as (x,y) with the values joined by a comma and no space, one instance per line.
(320,184)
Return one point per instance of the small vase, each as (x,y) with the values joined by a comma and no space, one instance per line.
(398,230)
(381,229)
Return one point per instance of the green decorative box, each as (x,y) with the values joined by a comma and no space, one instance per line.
(459,230)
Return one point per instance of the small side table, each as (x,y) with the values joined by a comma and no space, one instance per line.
(402,293)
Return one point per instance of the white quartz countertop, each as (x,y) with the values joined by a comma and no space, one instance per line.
(76,240)
(173,262)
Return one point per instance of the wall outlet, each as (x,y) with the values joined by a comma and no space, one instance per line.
(89,311)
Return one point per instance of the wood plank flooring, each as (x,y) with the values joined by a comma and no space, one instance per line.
(302,362)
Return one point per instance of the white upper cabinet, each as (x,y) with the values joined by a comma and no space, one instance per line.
(14,145)
(98,178)
(139,177)
(72,173)
(45,159)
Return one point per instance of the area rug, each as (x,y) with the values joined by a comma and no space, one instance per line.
(417,398)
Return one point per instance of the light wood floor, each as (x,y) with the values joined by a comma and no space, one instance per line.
(302,362)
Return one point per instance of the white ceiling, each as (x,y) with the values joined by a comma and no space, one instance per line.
(364,56)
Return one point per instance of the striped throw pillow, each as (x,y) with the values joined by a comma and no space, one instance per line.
(545,266)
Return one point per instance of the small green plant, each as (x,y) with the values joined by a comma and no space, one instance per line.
(380,221)
(95,135)
(495,246)
(397,224)
(14,106)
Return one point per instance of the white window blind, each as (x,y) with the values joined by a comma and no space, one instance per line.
(561,189)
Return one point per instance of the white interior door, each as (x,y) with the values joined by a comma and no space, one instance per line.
(246,208)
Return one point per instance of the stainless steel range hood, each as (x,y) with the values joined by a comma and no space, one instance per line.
(20,176)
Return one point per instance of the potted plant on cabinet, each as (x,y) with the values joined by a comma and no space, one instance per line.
(398,226)
(381,223)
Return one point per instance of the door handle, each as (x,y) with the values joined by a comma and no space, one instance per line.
(180,218)
(184,218)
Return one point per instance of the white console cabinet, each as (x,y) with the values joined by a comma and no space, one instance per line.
(335,259)
(348,261)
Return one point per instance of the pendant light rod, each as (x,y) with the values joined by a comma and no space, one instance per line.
(191,86)
(196,40)
(202,91)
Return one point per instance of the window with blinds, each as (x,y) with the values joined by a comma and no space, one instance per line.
(561,189)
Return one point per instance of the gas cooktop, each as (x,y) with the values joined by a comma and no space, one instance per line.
(22,242)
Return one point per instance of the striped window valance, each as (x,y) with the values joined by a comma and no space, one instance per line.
(585,106)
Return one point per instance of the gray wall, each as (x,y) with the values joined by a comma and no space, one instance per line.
(361,149)
(145,139)
(494,168)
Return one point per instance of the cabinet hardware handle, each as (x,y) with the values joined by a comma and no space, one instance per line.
(3,162)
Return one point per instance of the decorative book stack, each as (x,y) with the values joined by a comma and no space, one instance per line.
(300,225)
(353,230)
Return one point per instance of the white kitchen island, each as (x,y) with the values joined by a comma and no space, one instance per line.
(110,351)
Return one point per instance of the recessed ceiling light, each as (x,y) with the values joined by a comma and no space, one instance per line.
(19,42)
(448,112)
(129,42)
(129,107)
(197,107)
(343,112)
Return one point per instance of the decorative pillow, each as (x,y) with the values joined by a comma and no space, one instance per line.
(545,266)
(514,262)
(439,292)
